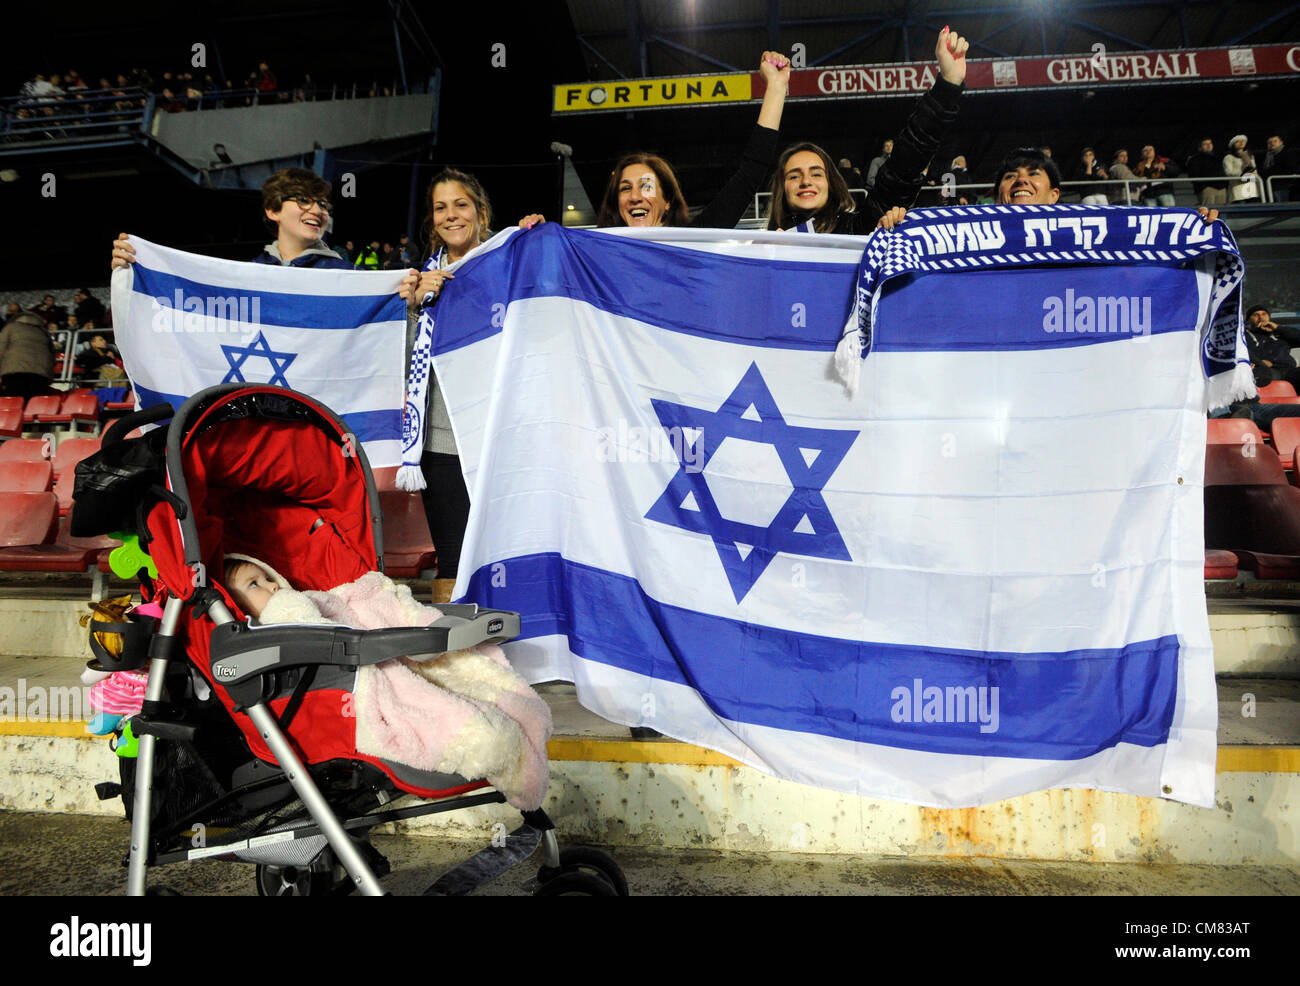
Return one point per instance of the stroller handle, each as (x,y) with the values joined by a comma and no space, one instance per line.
(136,419)
(242,654)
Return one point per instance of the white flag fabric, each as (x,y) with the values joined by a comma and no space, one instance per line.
(979,575)
(185,322)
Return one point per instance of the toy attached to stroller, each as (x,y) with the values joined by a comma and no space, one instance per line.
(247,739)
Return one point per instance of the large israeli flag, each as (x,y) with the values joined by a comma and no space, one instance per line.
(979,575)
(185,322)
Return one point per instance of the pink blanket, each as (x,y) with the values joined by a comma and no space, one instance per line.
(464,712)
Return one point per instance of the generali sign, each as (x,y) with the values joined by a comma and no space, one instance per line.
(1089,71)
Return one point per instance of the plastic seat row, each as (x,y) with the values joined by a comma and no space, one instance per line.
(79,407)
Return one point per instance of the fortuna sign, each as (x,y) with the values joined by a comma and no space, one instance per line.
(1084,71)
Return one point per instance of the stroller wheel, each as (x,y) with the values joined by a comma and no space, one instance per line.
(584,859)
(314,880)
(576,883)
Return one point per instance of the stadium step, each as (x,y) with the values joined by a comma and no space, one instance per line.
(610,789)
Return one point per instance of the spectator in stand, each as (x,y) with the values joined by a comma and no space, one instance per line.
(1153,167)
(266,83)
(1090,167)
(1269,345)
(851,175)
(169,103)
(406,251)
(57,338)
(1120,171)
(13,309)
(50,311)
(98,360)
(1238,163)
(368,257)
(26,357)
(886,149)
(1047,152)
(390,258)
(346,252)
(960,176)
(1280,160)
(88,306)
(1205,164)
(1270,352)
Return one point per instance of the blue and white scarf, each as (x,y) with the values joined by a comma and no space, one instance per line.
(990,236)
(410,476)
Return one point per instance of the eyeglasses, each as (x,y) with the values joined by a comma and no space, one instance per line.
(305,202)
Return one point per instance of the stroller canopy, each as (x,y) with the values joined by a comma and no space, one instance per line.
(270,473)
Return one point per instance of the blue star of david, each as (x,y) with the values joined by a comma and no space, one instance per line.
(803,525)
(259,347)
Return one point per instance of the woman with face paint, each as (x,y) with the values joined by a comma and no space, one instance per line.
(643,191)
(808,188)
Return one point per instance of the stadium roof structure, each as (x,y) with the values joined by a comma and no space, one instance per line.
(639,38)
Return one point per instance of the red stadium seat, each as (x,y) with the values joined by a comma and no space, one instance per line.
(1286,436)
(11,423)
(8,403)
(26,477)
(1252,464)
(1220,564)
(25,450)
(71,451)
(81,408)
(1278,388)
(1232,431)
(385,478)
(1280,400)
(408,547)
(42,408)
(25,518)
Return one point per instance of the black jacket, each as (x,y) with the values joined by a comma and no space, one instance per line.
(737,195)
(1206,165)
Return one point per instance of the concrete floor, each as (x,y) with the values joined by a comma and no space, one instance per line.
(67,855)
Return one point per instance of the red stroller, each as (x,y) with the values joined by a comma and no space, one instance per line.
(246,747)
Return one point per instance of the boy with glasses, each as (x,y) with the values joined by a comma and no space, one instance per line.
(297,207)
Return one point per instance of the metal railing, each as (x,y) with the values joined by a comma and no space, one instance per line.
(1133,189)
(91,113)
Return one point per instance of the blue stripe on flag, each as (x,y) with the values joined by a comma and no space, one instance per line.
(1054,308)
(1055,706)
(366,426)
(744,301)
(305,311)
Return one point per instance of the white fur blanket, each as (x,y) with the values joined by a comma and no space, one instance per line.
(464,712)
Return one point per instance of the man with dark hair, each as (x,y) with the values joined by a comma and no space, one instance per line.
(1280,160)
(88,306)
(1204,164)
(1270,347)
(879,162)
(1090,167)
(50,311)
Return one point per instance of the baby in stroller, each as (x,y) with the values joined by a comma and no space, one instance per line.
(466,712)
